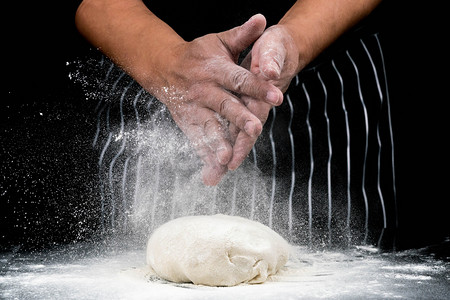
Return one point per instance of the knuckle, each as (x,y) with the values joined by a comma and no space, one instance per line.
(226,106)
(223,106)
(208,123)
(195,91)
(239,79)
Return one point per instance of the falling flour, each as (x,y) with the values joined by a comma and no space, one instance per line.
(216,250)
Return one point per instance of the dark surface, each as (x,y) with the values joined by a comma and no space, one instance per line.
(48,171)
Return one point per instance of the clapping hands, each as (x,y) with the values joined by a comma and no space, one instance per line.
(219,105)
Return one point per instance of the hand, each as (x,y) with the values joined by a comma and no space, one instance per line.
(274,58)
(200,82)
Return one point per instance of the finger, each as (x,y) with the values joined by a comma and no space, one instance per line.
(241,37)
(233,131)
(241,81)
(243,143)
(271,60)
(247,62)
(213,173)
(210,143)
(238,79)
(258,108)
(218,151)
(229,107)
(216,137)
(242,147)
(212,170)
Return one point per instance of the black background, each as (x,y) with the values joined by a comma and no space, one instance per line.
(39,38)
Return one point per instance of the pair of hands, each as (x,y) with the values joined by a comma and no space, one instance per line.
(219,105)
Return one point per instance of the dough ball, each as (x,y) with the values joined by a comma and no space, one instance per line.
(216,250)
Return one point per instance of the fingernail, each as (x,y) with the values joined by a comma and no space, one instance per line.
(249,128)
(232,167)
(273,98)
(222,156)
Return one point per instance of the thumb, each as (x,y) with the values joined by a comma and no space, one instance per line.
(271,59)
(241,37)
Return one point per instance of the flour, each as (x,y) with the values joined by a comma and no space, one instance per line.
(216,250)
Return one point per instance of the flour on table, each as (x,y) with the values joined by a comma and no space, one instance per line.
(216,250)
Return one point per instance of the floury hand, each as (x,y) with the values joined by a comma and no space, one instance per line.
(199,81)
(285,49)
(274,58)
(204,80)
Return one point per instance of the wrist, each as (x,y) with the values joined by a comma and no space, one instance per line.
(131,35)
(315,24)
(153,68)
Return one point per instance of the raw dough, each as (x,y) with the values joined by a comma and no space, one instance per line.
(216,250)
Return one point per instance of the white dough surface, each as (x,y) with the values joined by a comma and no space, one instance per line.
(217,250)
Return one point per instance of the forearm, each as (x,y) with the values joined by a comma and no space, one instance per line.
(127,32)
(315,24)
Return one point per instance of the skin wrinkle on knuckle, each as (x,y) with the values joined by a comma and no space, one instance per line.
(239,79)
(208,124)
(225,106)
(223,122)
